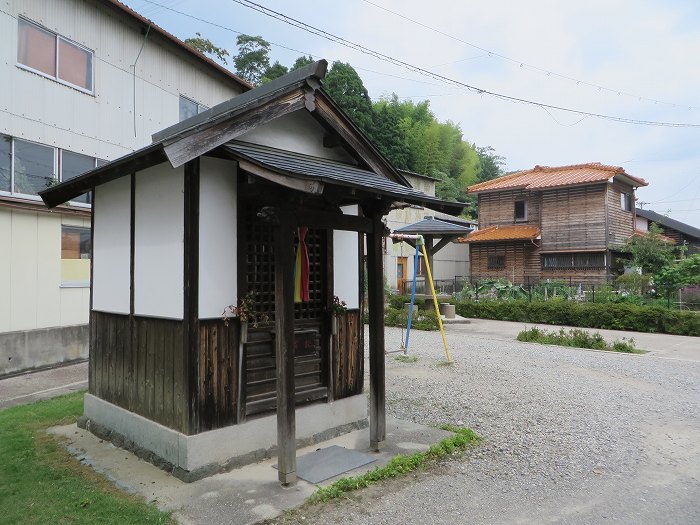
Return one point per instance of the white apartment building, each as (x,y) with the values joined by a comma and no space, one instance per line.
(84,81)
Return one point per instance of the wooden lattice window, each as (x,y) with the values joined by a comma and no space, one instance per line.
(496,261)
(260,268)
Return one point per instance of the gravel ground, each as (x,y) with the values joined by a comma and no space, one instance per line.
(570,436)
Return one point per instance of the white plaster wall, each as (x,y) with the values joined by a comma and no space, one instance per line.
(158,242)
(346,267)
(218,225)
(641,223)
(112,247)
(299,132)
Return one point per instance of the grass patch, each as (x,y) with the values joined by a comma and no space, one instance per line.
(41,483)
(399,465)
(578,339)
(406,358)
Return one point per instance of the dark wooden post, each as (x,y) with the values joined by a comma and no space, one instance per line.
(375,292)
(429,250)
(284,349)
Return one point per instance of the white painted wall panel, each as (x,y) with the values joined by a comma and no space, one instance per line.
(346,268)
(298,132)
(158,242)
(5,269)
(23,268)
(48,274)
(218,260)
(112,247)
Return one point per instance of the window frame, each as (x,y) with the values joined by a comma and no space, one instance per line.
(496,261)
(515,211)
(201,108)
(55,77)
(625,201)
(82,283)
(57,170)
(573,259)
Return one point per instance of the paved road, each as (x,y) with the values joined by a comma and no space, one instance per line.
(571,436)
(26,388)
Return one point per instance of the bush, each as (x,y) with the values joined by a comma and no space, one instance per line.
(397,301)
(422,320)
(612,316)
(576,338)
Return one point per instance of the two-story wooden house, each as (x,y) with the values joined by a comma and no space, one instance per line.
(557,223)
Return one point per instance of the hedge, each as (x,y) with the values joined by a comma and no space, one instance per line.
(611,316)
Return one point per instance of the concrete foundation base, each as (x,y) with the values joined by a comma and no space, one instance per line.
(31,349)
(194,457)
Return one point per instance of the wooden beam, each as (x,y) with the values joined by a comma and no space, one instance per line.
(191,296)
(429,250)
(193,143)
(303,185)
(334,221)
(375,292)
(284,348)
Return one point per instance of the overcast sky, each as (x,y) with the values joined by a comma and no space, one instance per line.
(631,59)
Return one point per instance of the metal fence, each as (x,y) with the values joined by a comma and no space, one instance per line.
(597,290)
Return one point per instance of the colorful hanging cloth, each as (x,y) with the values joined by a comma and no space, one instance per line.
(301,268)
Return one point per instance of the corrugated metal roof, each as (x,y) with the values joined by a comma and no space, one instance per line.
(668,222)
(324,170)
(432,226)
(542,177)
(502,233)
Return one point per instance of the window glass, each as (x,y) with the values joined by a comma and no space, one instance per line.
(74,164)
(34,167)
(36,48)
(74,64)
(626,201)
(520,210)
(188,108)
(5,162)
(76,250)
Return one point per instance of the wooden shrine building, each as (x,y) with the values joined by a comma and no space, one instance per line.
(209,213)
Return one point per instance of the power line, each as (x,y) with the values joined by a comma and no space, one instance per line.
(387,58)
(521,63)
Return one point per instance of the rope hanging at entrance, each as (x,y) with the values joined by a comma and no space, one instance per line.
(301,268)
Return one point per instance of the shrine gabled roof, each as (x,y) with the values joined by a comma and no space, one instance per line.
(201,134)
(307,167)
(668,222)
(433,226)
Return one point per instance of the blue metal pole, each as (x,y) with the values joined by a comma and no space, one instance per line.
(413,298)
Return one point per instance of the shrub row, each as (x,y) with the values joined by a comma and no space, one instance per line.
(589,315)
(577,338)
(422,320)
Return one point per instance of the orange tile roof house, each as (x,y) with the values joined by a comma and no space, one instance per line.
(558,223)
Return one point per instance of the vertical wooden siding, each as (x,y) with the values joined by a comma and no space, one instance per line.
(522,261)
(138,364)
(218,373)
(348,355)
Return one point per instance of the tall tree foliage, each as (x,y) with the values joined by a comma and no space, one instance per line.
(346,88)
(205,46)
(252,60)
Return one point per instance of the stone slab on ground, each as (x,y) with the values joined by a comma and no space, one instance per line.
(242,496)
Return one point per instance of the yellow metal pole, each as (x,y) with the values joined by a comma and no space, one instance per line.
(435,302)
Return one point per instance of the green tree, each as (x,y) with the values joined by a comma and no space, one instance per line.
(274,71)
(673,277)
(205,46)
(345,87)
(490,165)
(252,60)
(649,251)
(301,62)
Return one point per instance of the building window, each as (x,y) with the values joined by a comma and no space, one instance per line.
(495,262)
(626,201)
(74,164)
(52,55)
(572,261)
(520,211)
(27,168)
(76,251)
(190,108)
(34,167)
